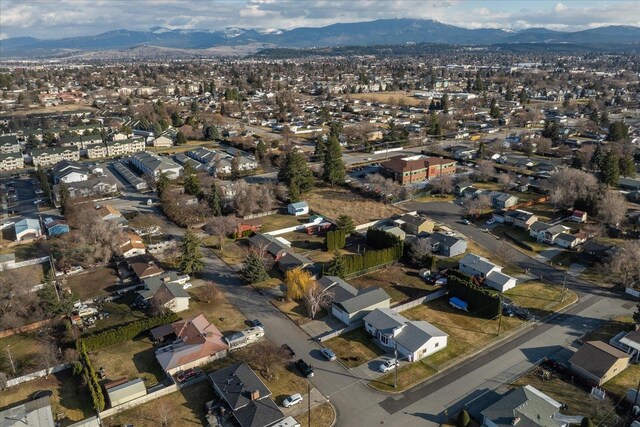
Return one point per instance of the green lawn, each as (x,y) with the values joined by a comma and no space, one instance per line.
(302,242)
(26,251)
(354,348)
(400,282)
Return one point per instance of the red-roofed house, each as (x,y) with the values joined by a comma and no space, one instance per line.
(192,342)
(578,216)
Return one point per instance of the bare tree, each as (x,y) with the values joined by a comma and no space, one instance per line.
(612,208)
(209,292)
(17,304)
(504,181)
(316,298)
(443,184)
(543,146)
(48,355)
(485,170)
(266,356)
(420,250)
(566,185)
(625,263)
(504,252)
(476,206)
(221,227)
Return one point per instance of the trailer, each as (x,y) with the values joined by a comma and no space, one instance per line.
(458,304)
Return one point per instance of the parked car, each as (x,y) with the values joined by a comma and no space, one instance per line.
(466,222)
(328,354)
(187,286)
(441,282)
(287,352)
(388,365)
(294,399)
(186,375)
(450,233)
(256,322)
(305,368)
(491,221)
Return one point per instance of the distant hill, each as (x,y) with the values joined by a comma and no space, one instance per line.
(379,32)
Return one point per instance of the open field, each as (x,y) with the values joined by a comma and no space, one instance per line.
(354,348)
(333,202)
(540,298)
(219,311)
(295,311)
(24,350)
(232,253)
(321,416)
(68,401)
(579,402)
(394,98)
(435,198)
(131,359)
(278,221)
(185,407)
(100,281)
(522,235)
(26,251)
(401,283)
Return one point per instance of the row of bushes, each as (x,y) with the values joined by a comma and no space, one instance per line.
(85,368)
(125,332)
(335,239)
(380,239)
(371,258)
(482,302)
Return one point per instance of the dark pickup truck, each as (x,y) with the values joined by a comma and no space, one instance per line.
(305,368)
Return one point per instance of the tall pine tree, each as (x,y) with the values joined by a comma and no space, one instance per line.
(191,257)
(253,270)
(295,173)
(611,169)
(334,168)
(214,201)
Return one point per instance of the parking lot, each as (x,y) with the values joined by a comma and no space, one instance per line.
(21,197)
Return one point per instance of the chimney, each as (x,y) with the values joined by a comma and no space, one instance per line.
(515,421)
(255,394)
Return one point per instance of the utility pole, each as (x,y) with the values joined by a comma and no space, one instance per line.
(564,286)
(309,401)
(13,366)
(395,366)
(499,321)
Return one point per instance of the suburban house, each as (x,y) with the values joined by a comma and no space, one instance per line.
(570,241)
(501,200)
(578,216)
(447,246)
(190,342)
(269,244)
(629,342)
(488,272)
(68,172)
(524,406)
(144,269)
(55,227)
(155,165)
(519,218)
(298,208)
(246,396)
(393,229)
(9,144)
(109,213)
(350,304)
(415,224)
(414,340)
(124,147)
(31,413)
(550,235)
(92,187)
(124,391)
(166,290)
(52,155)
(593,252)
(11,161)
(598,362)
(536,230)
(28,228)
(132,245)
(290,260)
(407,170)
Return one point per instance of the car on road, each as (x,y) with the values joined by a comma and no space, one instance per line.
(491,221)
(256,322)
(294,399)
(184,376)
(305,368)
(287,352)
(388,365)
(466,222)
(328,354)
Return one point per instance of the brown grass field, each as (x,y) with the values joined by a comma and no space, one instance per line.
(394,98)
(333,202)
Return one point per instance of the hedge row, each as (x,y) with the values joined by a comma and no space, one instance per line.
(92,378)
(125,332)
(336,239)
(481,302)
(380,239)
(371,258)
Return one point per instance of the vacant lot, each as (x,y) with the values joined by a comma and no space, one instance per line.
(354,348)
(579,402)
(93,283)
(69,402)
(130,359)
(26,251)
(218,310)
(296,311)
(302,242)
(544,211)
(393,98)
(521,235)
(610,329)
(540,298)
(232,253)
(333,202)
(401,283)
(185,407)
(278,221)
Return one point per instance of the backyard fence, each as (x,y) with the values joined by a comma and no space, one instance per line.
(35,375)
(260,214)
(418,301)
(29,327)
(339,332)
(14,265)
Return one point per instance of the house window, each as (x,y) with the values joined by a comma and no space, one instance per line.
(437,345)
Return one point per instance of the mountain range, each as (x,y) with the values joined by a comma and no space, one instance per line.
(379,32)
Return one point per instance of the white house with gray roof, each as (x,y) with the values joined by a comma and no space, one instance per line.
(413,339)
(490,273)
(154,165)
(523,406)
(351,304)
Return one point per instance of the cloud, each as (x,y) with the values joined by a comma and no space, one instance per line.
(3,36)
(68,18)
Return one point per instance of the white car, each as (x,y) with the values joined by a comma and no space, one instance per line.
(450,233)
(491,221)
(388,365)
(294,399)
(187,286)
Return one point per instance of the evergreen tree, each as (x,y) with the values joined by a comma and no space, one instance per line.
(618,131)
(214,201)
(180,138)
(162,183)
(176,120)
(508,96)
(235,169)
(595,116)
(211,133)
(577,162)
(261,151)
(253,270)
(478,85)
(345,222)
(523,98)
(586,422)
(597,158)
(337,266)
(611,171)
(192,184)
(318,152)
(604,117)
(295,173)
(334,169)
(627,167)
(495,110)
(191,257)
(445,104)
(63,196)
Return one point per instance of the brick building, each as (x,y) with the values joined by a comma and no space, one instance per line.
(407,170)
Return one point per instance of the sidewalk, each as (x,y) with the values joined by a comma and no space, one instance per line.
(316,399)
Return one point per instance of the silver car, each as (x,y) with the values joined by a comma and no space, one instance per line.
(328,354)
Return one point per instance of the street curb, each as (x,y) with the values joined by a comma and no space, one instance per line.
(475,353)
(335,414)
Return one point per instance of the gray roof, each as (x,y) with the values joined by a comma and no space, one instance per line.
(556,229)
(153,284)
(532,407)
(444,240)
(8,139)
(499,278)
(539,226)
(366,298)
(342,291)
(127,389)
(597,357)
(385,319)
(292,260)
(153,162)
(34,413)
(5,156)
(268,243)
(567,237)
(415,333)
(235,383)
(478,263)
(53,150)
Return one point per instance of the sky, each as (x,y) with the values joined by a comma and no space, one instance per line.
(69,18)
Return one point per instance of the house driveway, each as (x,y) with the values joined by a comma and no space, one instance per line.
(549,254)
(325,325)
(576,269)
(316,399)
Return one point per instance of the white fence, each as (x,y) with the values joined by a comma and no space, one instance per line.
(295,228)
(13,265)
(388,150)
(35,375)
(260,214)
(416,302)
